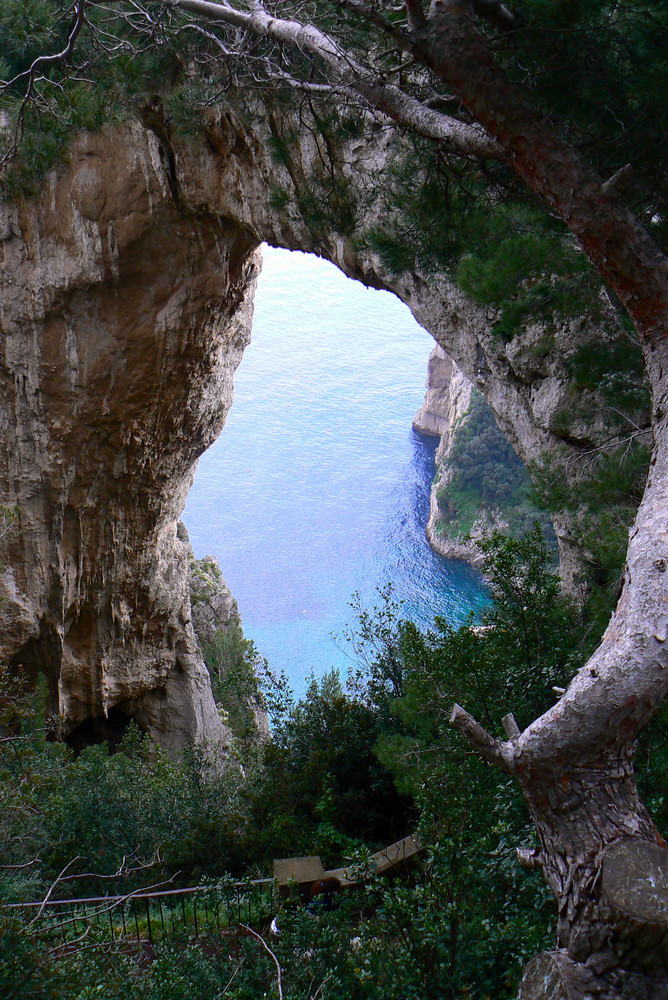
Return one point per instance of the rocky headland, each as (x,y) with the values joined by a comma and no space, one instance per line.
(444,414)
(446,403)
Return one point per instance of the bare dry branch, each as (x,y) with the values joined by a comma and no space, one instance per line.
(258,937)
(51,888)
(492,750)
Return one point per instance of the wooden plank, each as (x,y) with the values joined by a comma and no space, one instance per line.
(344,877)
(402,852)
(303,871)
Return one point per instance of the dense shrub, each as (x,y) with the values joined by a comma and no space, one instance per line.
(345,771)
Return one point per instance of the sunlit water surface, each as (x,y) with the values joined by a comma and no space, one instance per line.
(318,487)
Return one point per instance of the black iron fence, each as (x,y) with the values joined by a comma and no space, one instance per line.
(153,916)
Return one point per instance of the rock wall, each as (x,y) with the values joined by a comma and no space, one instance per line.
(214,614)
(212,603)
(446,400)
(125,305)
(123,319)
(446,404)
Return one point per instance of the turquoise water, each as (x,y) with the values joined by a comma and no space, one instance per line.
(318,487)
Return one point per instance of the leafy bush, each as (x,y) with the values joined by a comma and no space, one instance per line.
(234,663)
(344,771)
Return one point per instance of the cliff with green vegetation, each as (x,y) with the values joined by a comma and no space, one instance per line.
(127,298)
(233,663)
(582,402)
(480,486)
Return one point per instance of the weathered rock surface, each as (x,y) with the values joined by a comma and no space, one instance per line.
(446,408)
(446,400)
(214,615)
(212,604)
(123,319)
(125,305)
(446,403)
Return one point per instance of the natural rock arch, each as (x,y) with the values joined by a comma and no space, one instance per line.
(127,303)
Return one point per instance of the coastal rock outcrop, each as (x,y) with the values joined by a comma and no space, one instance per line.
(445,408)
(446,401)
(126,290)
(212,604)
(233,660)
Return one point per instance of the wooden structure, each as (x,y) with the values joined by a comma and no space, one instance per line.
(302,871)
(400,855)
(395,859)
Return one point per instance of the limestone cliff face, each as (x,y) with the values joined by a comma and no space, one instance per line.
(125,305)
(446,404)
(214,614)
(446,400)
(212,603)
(123,319)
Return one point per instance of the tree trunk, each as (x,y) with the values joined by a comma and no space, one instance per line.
(600,852)
(624,253)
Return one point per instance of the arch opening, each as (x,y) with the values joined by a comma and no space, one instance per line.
(318,488)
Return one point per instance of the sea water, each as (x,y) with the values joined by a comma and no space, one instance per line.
(318,487)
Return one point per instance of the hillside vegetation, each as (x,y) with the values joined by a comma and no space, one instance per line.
(345,771)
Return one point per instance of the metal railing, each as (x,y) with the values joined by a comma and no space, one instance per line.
(154,916)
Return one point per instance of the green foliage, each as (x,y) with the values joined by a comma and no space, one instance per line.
(26,971)
(69,97)
(600,530)
(613,369)
(233,663)
(128,818)
(343,771)
(485,474)
(184,107)
(482,458)
(320,783)
(329,204)
(519,261)
(651,768)
(281,146)
(599,69)
(425,206)
(472,818)
(504,251)
(377,675)
(279,198)
(535,633)
(28,28)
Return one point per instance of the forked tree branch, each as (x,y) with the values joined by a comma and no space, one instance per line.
(31,75)
(494,751)
(55,57)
